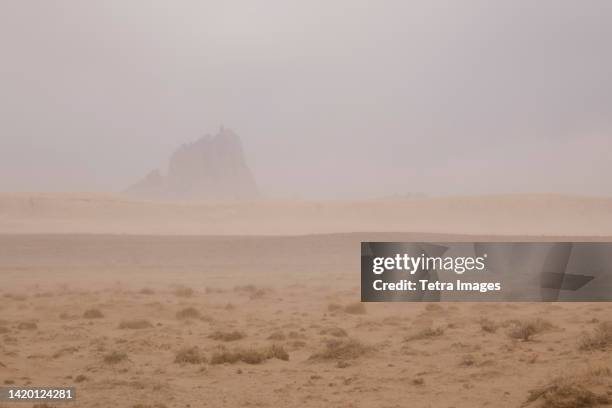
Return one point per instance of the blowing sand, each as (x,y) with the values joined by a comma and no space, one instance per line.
(210,305)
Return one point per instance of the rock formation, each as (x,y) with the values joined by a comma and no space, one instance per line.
(209,168)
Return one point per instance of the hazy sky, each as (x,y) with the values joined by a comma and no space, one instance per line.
(331,98)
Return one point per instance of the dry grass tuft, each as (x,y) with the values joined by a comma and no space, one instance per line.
(184,291)
(334,307)
(188,313)
(137,324)
(355,308)
(576,391)
(115,357)
(433,307)
(250,356)
(277,336)
(341,349)
(227,336)
(525,329)
(93,314)
(488,325)
(600,339)
(189,355)
(334,331)
(428,333)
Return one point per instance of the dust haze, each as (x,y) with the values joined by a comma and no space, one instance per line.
(331,99)
(184,187)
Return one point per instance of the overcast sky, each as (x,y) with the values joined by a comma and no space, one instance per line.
(331,98)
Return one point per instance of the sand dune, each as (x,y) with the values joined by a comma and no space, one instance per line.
(500,215)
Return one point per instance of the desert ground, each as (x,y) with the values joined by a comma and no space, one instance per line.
(142,304)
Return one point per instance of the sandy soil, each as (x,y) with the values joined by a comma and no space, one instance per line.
(537,215)
(211,321)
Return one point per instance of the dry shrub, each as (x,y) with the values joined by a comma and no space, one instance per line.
(600,339)
(115,357)
(277,336)
(334,307)
(488,325)
(334,331)
(575,391)
(80,378)
(355,308)
(428,333)
(184,291)
(65,351)
(67,316)
(341,349)
(93,314)
(27,326)
(189,355)
(188,313)
(467,360)
(525,329)
(137,324)
(433,307)
(146,291)
(227,336)
(253,291)
(250,356)
(258,294)
(418,381)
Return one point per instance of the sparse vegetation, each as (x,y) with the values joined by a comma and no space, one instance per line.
(227,336)
(253,291)
(146,291)
(250,356)
(189,355)
(184,291)
(334,307)
(80,378)
(341,349)
(576,391)
(433,307)
(334,331)
(525,329)
(137,324)
(600,339)
(188,313)
(277,336)
(427,333)
(355,308)
(418,381)
(115,357)
(467,360)
(488,325)
(93,314)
